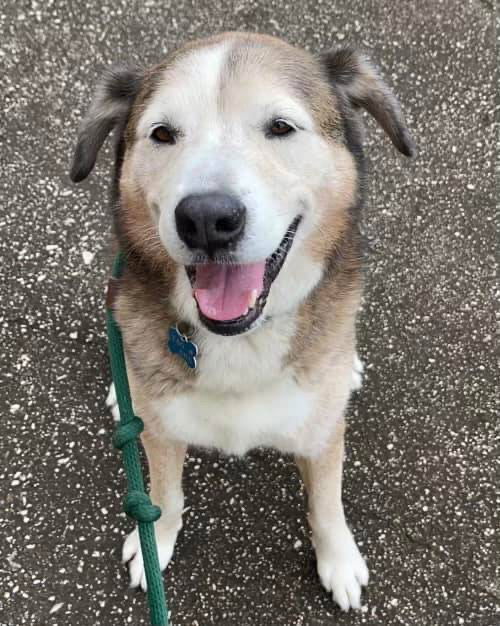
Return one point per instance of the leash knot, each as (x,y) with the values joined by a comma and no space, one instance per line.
(138,505)
(127,432)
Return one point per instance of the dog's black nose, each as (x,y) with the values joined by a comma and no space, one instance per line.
(210,221)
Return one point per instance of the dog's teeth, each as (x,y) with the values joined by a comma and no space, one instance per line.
(252,299)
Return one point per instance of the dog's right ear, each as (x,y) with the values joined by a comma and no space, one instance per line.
(113,98)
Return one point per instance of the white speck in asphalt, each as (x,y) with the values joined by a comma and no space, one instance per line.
(56,607)
(88,256)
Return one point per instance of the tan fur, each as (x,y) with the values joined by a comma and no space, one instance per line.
(250,49)
(144,320)
(137,226)
(165,457)
(326,320)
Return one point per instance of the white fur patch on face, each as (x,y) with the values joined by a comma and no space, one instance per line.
(222,145)
(222,119)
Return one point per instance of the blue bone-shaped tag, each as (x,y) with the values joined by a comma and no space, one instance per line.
(181,345)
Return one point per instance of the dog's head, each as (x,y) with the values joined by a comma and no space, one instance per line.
(239,161)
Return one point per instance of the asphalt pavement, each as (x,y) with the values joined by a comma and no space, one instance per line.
(422,470)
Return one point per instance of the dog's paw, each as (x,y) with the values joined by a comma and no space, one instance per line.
(357,373)
(342,570)
(112,403)
(132,554)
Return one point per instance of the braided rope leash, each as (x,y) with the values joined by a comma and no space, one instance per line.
(137,503)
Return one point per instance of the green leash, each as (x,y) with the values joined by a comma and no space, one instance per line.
(137,503)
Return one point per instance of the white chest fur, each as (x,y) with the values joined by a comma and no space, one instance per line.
(244,396)
(236,422)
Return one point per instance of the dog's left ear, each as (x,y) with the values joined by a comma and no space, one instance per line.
(354,75)
(113,98)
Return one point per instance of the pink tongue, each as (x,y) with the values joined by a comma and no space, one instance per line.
(223,291)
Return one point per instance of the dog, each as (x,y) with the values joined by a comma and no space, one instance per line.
(237,193)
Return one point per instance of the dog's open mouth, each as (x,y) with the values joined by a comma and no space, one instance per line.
(231,298)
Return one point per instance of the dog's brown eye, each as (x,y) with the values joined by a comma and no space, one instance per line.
(279,128)
(163,134)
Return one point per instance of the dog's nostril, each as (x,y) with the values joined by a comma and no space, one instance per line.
(186,225)
(226,224)
(189,226)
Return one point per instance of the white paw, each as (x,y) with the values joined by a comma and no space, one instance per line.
(357,373)
(132,553)
(112,403)
(342,570)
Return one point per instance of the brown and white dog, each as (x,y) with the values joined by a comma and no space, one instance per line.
(238,187)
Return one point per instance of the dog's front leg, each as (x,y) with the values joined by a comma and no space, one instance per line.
(165,459)
(341,567)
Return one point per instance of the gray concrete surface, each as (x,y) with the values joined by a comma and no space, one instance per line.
(421,481)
